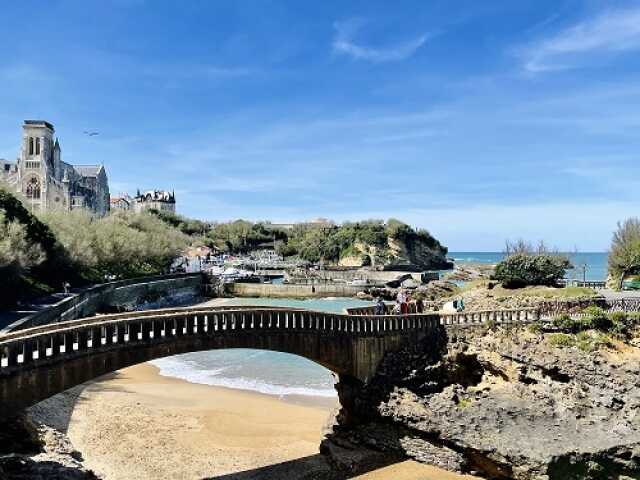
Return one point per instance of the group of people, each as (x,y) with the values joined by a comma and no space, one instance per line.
(404,305)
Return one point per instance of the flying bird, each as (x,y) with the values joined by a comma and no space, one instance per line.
(91,134)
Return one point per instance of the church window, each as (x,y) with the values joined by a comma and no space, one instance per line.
(37,146)
(33,189)
(30,145)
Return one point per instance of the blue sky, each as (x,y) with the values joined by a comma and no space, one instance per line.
(480,121)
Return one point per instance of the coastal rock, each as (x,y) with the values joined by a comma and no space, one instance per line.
(30,450)
(505,404)
(412,254)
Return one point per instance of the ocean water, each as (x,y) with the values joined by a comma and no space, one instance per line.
(596,262)
(262,371)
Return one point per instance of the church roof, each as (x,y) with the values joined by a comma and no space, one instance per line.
(88,170)
(39,123)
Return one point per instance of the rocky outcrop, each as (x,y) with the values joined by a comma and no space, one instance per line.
(414,254)
(503,405)
(29,450)
(411,253)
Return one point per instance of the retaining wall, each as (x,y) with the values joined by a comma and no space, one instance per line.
(291,291)
(120,293)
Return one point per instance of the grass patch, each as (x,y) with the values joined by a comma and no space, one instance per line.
(586,341)
(498,292)
(562,340)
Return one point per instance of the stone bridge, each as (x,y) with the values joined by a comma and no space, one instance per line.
(39,362)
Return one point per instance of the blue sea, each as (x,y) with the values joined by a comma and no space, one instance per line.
(594,262)
(273,373)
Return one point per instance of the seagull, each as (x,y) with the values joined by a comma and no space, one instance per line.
(91,134)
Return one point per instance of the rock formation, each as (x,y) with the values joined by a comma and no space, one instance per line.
(500,404)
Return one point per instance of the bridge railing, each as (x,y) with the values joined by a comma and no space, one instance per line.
(528,314)
(32,347)
(479,317)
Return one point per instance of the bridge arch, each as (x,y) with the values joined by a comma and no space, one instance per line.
(40,362)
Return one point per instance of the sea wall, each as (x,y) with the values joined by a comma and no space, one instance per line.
(121,293)
(373,276)
(290,291)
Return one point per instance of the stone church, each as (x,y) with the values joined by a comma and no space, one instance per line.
(48,183)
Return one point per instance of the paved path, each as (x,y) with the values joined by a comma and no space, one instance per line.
(614,295)
(42,303)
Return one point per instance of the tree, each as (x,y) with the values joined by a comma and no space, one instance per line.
(624,255)
(124,244)
(18,255)
(526,265)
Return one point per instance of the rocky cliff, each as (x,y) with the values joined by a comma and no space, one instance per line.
(503,404)
(411,254)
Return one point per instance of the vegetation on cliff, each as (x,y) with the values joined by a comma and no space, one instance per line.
(372,242)
(31,260)
(38,254)
(122,245)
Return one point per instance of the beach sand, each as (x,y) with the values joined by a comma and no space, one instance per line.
(137,424)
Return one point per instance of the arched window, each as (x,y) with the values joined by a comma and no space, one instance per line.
(37,146)
(30,145)
(33,189)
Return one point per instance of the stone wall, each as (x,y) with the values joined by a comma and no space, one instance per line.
(374,276)
(121,293)
(291,291)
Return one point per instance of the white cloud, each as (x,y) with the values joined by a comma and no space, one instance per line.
(607,33)
(343,43)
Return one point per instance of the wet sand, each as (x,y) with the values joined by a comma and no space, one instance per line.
(139,424)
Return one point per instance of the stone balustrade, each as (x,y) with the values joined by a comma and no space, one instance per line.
(478,317)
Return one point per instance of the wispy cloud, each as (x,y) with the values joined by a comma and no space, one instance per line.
(608,33)
(344,43)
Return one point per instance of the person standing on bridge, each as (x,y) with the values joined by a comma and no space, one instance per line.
(397,309)
(380,308)
(419,305)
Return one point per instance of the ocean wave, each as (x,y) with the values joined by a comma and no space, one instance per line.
(192,372)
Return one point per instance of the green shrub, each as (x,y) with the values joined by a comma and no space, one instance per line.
(535,328)
(123,244)
(562,340)
(592,341)
(565,323)
(596,319)
(619,323)
(584,341)
(524,269)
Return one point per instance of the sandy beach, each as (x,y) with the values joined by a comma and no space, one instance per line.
(139,424)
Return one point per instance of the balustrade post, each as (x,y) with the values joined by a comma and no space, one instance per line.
(13,351)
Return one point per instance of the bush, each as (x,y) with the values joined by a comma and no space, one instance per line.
(562,340)
(566,324)
(535,328)
(523,269)
(124,244)
(584,341)
(596,319)
(620,323)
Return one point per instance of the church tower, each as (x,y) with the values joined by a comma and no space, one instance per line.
(36,166)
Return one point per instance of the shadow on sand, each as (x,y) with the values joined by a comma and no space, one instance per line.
(313,467)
